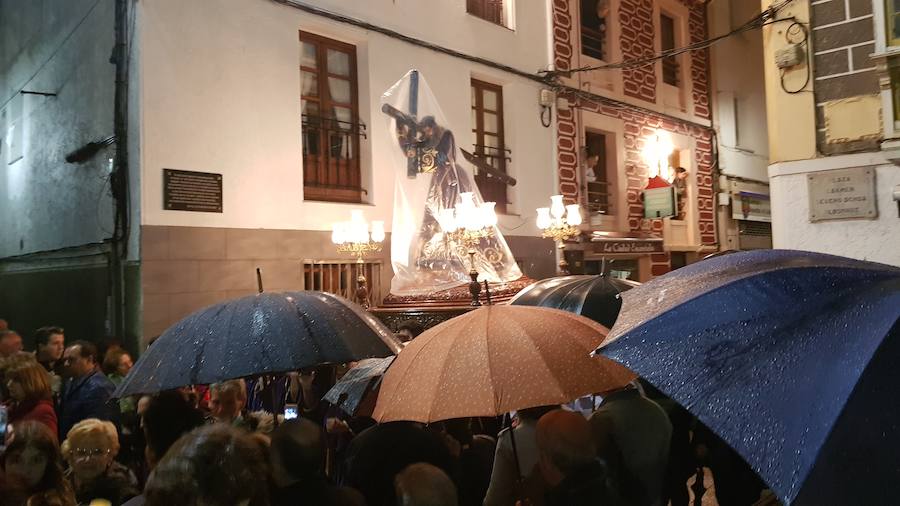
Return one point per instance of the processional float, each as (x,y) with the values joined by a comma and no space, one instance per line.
(444,238)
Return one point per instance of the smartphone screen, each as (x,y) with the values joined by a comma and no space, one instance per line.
(290,411)
(3,421)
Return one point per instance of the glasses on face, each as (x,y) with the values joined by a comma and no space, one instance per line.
(89,453)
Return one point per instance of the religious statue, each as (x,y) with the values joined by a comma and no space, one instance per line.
(425,255)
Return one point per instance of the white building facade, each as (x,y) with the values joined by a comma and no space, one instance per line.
(283,100)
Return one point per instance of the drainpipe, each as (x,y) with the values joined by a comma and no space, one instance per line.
(119,177)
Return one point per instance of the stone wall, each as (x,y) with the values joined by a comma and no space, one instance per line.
(843,37)
(184,269)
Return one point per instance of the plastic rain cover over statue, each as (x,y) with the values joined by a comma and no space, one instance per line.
(428,182)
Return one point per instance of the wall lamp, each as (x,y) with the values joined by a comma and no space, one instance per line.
(86,152)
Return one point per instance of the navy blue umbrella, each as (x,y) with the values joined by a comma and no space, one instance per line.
(789,356)
(259,334)
(596,297)
(364,379)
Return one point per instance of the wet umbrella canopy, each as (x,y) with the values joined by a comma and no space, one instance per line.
(493,360)
(596,297)
(789,356)
(349,392)
(259,334)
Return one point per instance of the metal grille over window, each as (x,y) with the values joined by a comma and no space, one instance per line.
(339,277)
(330,120)
(670,67)
(594,14)
(487,124)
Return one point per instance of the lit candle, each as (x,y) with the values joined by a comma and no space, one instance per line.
(557,207)
(543,218)
(573,215)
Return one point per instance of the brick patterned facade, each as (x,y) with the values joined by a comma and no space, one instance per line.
(636,18)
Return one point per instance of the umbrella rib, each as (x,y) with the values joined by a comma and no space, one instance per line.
(490,370)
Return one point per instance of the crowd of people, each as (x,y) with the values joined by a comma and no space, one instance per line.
(69,442)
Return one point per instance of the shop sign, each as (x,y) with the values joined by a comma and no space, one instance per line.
(192,191)
(659,202)
(751,206)
(619,247)
(842,194)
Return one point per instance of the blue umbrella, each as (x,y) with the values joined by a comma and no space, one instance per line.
(260,334)
(788,356)
(349,392)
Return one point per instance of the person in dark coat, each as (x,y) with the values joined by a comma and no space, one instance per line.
(569,464)
(296,457)
(87,391)
(633,435)
(376,455)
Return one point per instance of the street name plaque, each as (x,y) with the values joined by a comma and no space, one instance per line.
(192,191)
(842,194)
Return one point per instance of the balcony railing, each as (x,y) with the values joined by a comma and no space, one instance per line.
(491,188)
(331,169)
(339,277)
(598,197)
(670,70)
(593,43)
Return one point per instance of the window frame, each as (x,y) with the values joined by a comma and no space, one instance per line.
(610,175)
(479,9)
(326,181)
(484,181)
(670,61)
(605,40)
(890,15)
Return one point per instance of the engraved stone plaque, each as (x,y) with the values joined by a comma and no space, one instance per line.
(842,194)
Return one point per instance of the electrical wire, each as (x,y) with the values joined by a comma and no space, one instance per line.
(548,112)
(53,54)
(804,41)
(764,18)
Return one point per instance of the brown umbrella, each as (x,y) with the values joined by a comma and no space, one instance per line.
(497,359)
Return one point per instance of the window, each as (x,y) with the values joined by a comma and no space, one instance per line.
(598,184)
(667,33)
(593,28)
(487,124)
(894,73)
(330,120)
(893,22)
(488,10)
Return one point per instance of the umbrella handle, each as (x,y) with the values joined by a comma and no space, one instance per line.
(512,440)
(259,279)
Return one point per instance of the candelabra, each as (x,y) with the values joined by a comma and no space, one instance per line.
(559,222)
(466,225)
(353,237)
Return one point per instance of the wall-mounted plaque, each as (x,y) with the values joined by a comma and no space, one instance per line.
(842,194)
(192,191)
(659,202)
